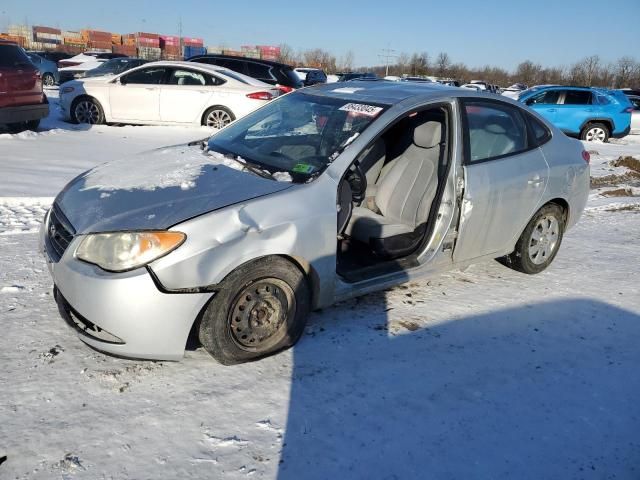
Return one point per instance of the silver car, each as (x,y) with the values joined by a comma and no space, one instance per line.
(324,194)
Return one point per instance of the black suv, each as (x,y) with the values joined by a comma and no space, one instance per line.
(273,73)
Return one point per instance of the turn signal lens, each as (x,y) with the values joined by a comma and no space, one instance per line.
(67,89)
(586,156)
(122,251)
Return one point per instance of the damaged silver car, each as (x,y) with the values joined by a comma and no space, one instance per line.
(321,195)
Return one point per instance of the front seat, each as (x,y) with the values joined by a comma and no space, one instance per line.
(404,193)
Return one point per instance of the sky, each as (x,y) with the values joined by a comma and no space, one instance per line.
(478,33)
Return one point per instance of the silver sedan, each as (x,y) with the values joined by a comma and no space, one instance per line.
(324,194)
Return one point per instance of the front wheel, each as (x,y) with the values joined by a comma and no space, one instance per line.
(218,117)
(261,309)
(87,110)
(595,132)
(540,241)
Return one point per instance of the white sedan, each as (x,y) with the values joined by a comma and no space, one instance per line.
(171,93)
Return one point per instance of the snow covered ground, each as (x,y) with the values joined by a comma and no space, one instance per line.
(485,373)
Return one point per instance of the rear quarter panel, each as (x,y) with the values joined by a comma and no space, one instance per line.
(568,174)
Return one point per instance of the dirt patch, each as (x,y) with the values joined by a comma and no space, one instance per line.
(618,192)
(631,163)
(625,208)
(614,180)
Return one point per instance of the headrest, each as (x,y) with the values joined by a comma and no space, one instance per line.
(428,135)
(495,129)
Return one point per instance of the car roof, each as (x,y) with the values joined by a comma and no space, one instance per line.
(7,42)
(228,73)
(235,57)
(387,92)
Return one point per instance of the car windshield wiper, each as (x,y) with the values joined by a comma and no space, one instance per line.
(247,166)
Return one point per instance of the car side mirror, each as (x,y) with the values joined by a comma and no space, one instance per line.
(122,81)
(529,102)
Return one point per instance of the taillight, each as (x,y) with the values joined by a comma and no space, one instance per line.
(284,89)
(586,156)
(628,110)
(260,96)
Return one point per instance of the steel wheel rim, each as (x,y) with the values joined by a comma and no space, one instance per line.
(259,314)
(87,112)
(48,80)
(218,119)
(596,134)
(544,239)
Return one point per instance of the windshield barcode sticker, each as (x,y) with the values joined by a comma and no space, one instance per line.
(361,108)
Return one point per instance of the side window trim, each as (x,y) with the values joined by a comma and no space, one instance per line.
(466,144)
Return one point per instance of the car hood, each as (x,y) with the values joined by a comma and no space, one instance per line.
(158,189)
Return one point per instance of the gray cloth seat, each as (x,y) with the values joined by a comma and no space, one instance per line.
(495,138)
(404,190)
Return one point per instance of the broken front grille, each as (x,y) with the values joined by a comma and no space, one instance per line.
(59,234)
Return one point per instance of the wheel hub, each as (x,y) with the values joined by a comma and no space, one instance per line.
(544,239)
(259,314)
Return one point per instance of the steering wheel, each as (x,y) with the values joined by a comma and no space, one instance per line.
(358,182)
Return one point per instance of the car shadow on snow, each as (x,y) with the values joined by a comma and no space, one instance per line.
(547,390)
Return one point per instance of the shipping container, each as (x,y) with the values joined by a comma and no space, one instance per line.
(190,51)
(99,45)
(129,50)
(71,34)
(96,36)
(149,53)
(233,53)
(22,41)
(116,39)
(215,50)
(192,42)
(40,29)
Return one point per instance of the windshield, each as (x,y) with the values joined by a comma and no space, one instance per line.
(12,56)
(299,134)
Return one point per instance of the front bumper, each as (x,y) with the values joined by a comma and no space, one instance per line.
(123,314)
(23,113)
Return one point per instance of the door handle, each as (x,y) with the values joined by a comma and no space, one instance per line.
(552,110)
(149,88)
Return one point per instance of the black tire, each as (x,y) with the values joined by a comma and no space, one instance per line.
(22,126)
(246,320)
(48,80)
(597,129)
(226,116)
(84,104)
(521,258)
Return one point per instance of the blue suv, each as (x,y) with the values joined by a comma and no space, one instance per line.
(592,114)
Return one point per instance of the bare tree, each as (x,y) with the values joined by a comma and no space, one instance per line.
(287,55)
(590,69)
(624,71)
(346,62)
(320,58)
(402,64)
(419,63)
(528,72)
(443,63)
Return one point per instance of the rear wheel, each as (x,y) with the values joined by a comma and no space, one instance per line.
(595,132)
(540,241)
(218,117)
(261,309)
(87,110)
(48,80)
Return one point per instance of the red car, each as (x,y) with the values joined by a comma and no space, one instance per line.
(22,101)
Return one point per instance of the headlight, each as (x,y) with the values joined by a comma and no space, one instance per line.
(67,89)
(121,251)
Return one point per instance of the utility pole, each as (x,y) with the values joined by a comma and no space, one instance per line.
(181,54)
(387,54)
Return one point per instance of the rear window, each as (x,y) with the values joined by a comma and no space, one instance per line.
(550,97)
(259,71)
(577,97)
(12,55)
